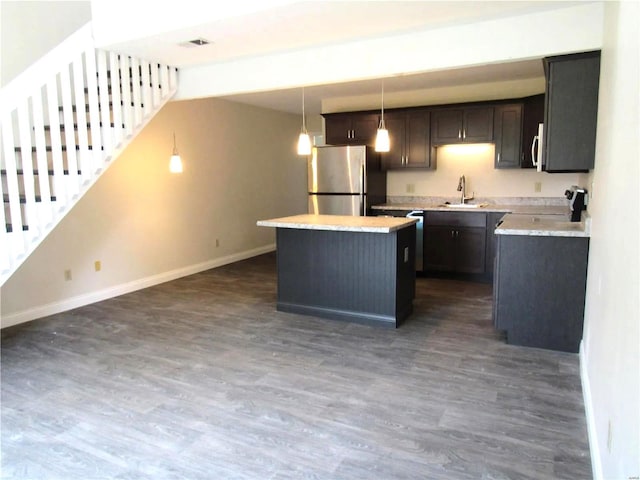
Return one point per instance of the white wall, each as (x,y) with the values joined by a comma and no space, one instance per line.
(146,225)
(611,344)
(28,30)
(475,162)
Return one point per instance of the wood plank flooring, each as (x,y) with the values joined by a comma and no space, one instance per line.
(201,378)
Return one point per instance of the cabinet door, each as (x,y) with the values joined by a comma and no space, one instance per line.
(417,144)
(364,128)
(395,157)
(571,111)
(478,125)
(446,126)
(470,250)
(439,249)
(508,135)
(337,129)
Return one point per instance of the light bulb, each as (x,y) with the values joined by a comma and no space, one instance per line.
(304,144)
(382,140)
(175,164)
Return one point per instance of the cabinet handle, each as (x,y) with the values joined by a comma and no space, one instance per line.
(453,234)
(459,133)
(464,133)
(498,157)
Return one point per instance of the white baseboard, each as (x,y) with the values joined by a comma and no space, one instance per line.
(594,449)
(104,294)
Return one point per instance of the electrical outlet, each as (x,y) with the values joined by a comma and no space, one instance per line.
(97,265)
(537,187)
(411,188)
(67,275)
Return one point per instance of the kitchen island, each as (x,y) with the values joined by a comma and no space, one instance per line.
(359,269)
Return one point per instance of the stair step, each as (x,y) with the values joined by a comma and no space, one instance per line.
(9,228)
(35,172)
(23,199)
(49,148)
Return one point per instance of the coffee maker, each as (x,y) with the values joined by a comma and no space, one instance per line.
(578,198)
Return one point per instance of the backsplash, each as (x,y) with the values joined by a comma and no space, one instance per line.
(475,162)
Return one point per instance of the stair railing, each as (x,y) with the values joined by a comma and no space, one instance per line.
(62,123)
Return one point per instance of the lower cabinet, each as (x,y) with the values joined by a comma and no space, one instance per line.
(539,290)
(455,242)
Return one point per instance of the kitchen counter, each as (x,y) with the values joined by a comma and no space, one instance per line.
(543,226)
(340,223)
(485,207)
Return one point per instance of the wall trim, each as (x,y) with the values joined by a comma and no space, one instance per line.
(594,448)
(110,292)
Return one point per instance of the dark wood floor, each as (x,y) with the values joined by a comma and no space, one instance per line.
(200,378)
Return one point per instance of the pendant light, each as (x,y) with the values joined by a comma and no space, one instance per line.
(382,137)
(175,164)
(304,141)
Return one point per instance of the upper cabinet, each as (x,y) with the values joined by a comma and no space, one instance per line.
(571,110)
(353,128)
(409,138)
(462,125)
(507,128)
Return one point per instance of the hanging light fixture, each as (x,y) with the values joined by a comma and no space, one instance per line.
(382,137)
(175,164)
(304,141)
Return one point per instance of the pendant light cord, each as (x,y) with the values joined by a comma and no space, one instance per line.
(382,116)
(304,123)
(175,149)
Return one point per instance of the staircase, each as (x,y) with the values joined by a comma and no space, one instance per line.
(63,122)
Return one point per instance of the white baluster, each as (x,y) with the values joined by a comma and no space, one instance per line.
(84,155)
(116,102)
(136,93)
(155,85)
(41,159)
(147,101)
(164,81)
(94,109)
(127,111)
(29,194)
(56,143)
(105,110)
(72,188)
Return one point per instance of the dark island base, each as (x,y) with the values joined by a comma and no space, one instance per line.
(351,276)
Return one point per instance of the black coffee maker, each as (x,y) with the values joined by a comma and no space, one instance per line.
(578,198)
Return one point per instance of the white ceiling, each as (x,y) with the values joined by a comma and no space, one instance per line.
(295,25)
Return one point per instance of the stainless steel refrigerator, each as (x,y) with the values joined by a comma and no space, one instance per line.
(345,180)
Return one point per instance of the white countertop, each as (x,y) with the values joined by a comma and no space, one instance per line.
(485,207)
(542,226)
(341,223)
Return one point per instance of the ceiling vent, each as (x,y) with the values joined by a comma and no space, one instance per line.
(198,42)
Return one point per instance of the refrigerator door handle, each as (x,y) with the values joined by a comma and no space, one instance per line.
(363,207)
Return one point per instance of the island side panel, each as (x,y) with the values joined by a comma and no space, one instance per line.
(341,275)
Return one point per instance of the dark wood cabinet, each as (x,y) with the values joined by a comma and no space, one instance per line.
(353,128)
(539,290)
(455,242)
(409,136)
(571,110)
(507,129)
(462,125)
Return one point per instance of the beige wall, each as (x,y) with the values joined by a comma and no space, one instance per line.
(28,30)
(475,162)
(611,344)
(146,225)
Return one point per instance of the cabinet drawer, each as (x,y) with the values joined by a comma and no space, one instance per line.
(456,219)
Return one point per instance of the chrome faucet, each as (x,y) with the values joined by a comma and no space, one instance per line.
(462,186)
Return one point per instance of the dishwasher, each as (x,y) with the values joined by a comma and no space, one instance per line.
(419,215)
